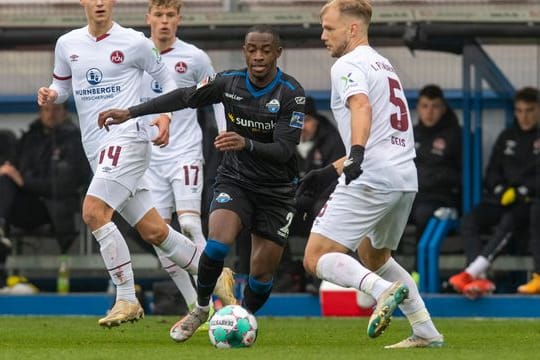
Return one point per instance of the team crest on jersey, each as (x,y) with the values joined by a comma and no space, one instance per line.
(94,76)
(156,87)
(223,198)
(180,67)
(117,57)
(273,106)
(297,120)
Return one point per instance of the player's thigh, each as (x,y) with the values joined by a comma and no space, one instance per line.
(224,226)
(161,190)
(389,229)
(265,257)
(272,217)
(137,206)
(123,160)
(230,211)
(109,191)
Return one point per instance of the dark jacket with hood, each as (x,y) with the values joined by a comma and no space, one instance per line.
(438,160)
(54,168)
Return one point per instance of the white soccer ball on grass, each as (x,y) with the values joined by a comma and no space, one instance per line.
(232,327)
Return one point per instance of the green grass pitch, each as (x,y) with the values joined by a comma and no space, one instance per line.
(54,338)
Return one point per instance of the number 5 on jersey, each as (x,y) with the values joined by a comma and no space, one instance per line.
(398,121)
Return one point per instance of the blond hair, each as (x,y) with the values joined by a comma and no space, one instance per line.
(360,9)
(177,4)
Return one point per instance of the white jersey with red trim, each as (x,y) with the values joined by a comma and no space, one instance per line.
(104,73)
(188,65)
(389,156)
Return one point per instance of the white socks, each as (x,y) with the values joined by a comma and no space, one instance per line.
(478,267)
(115,254)
(413,307)
(180,277)
(192,227)
(343,270)
(181,251)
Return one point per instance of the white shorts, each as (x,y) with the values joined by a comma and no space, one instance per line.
(176,186)
(118,177)
(354,212)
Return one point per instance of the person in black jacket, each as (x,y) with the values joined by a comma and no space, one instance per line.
(510,184)
(437,139)
(43,184)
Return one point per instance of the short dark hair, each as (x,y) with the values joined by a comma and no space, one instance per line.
(265,29)
(527,94)
(432,92)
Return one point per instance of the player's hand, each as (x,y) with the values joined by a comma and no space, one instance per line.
(112,117)
(163,123)
(46,96)
(229,141)
(316,181)
(352,166)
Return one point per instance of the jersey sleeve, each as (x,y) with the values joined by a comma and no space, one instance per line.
(209,91)
(204,70)
(349,79)
(61,82)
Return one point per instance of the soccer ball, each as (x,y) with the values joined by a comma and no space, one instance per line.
(232,327)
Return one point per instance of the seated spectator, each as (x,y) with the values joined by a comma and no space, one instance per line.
(320,145)
(8,146)
(438,157)
(42,185)
(510,183)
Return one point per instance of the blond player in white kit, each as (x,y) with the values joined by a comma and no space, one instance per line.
(370,206)
(102,65)
(176,173)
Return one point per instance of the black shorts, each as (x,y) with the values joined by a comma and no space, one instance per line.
(266,216)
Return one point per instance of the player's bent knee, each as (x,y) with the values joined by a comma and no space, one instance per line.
(95,212)
(310,264)
(153,233)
